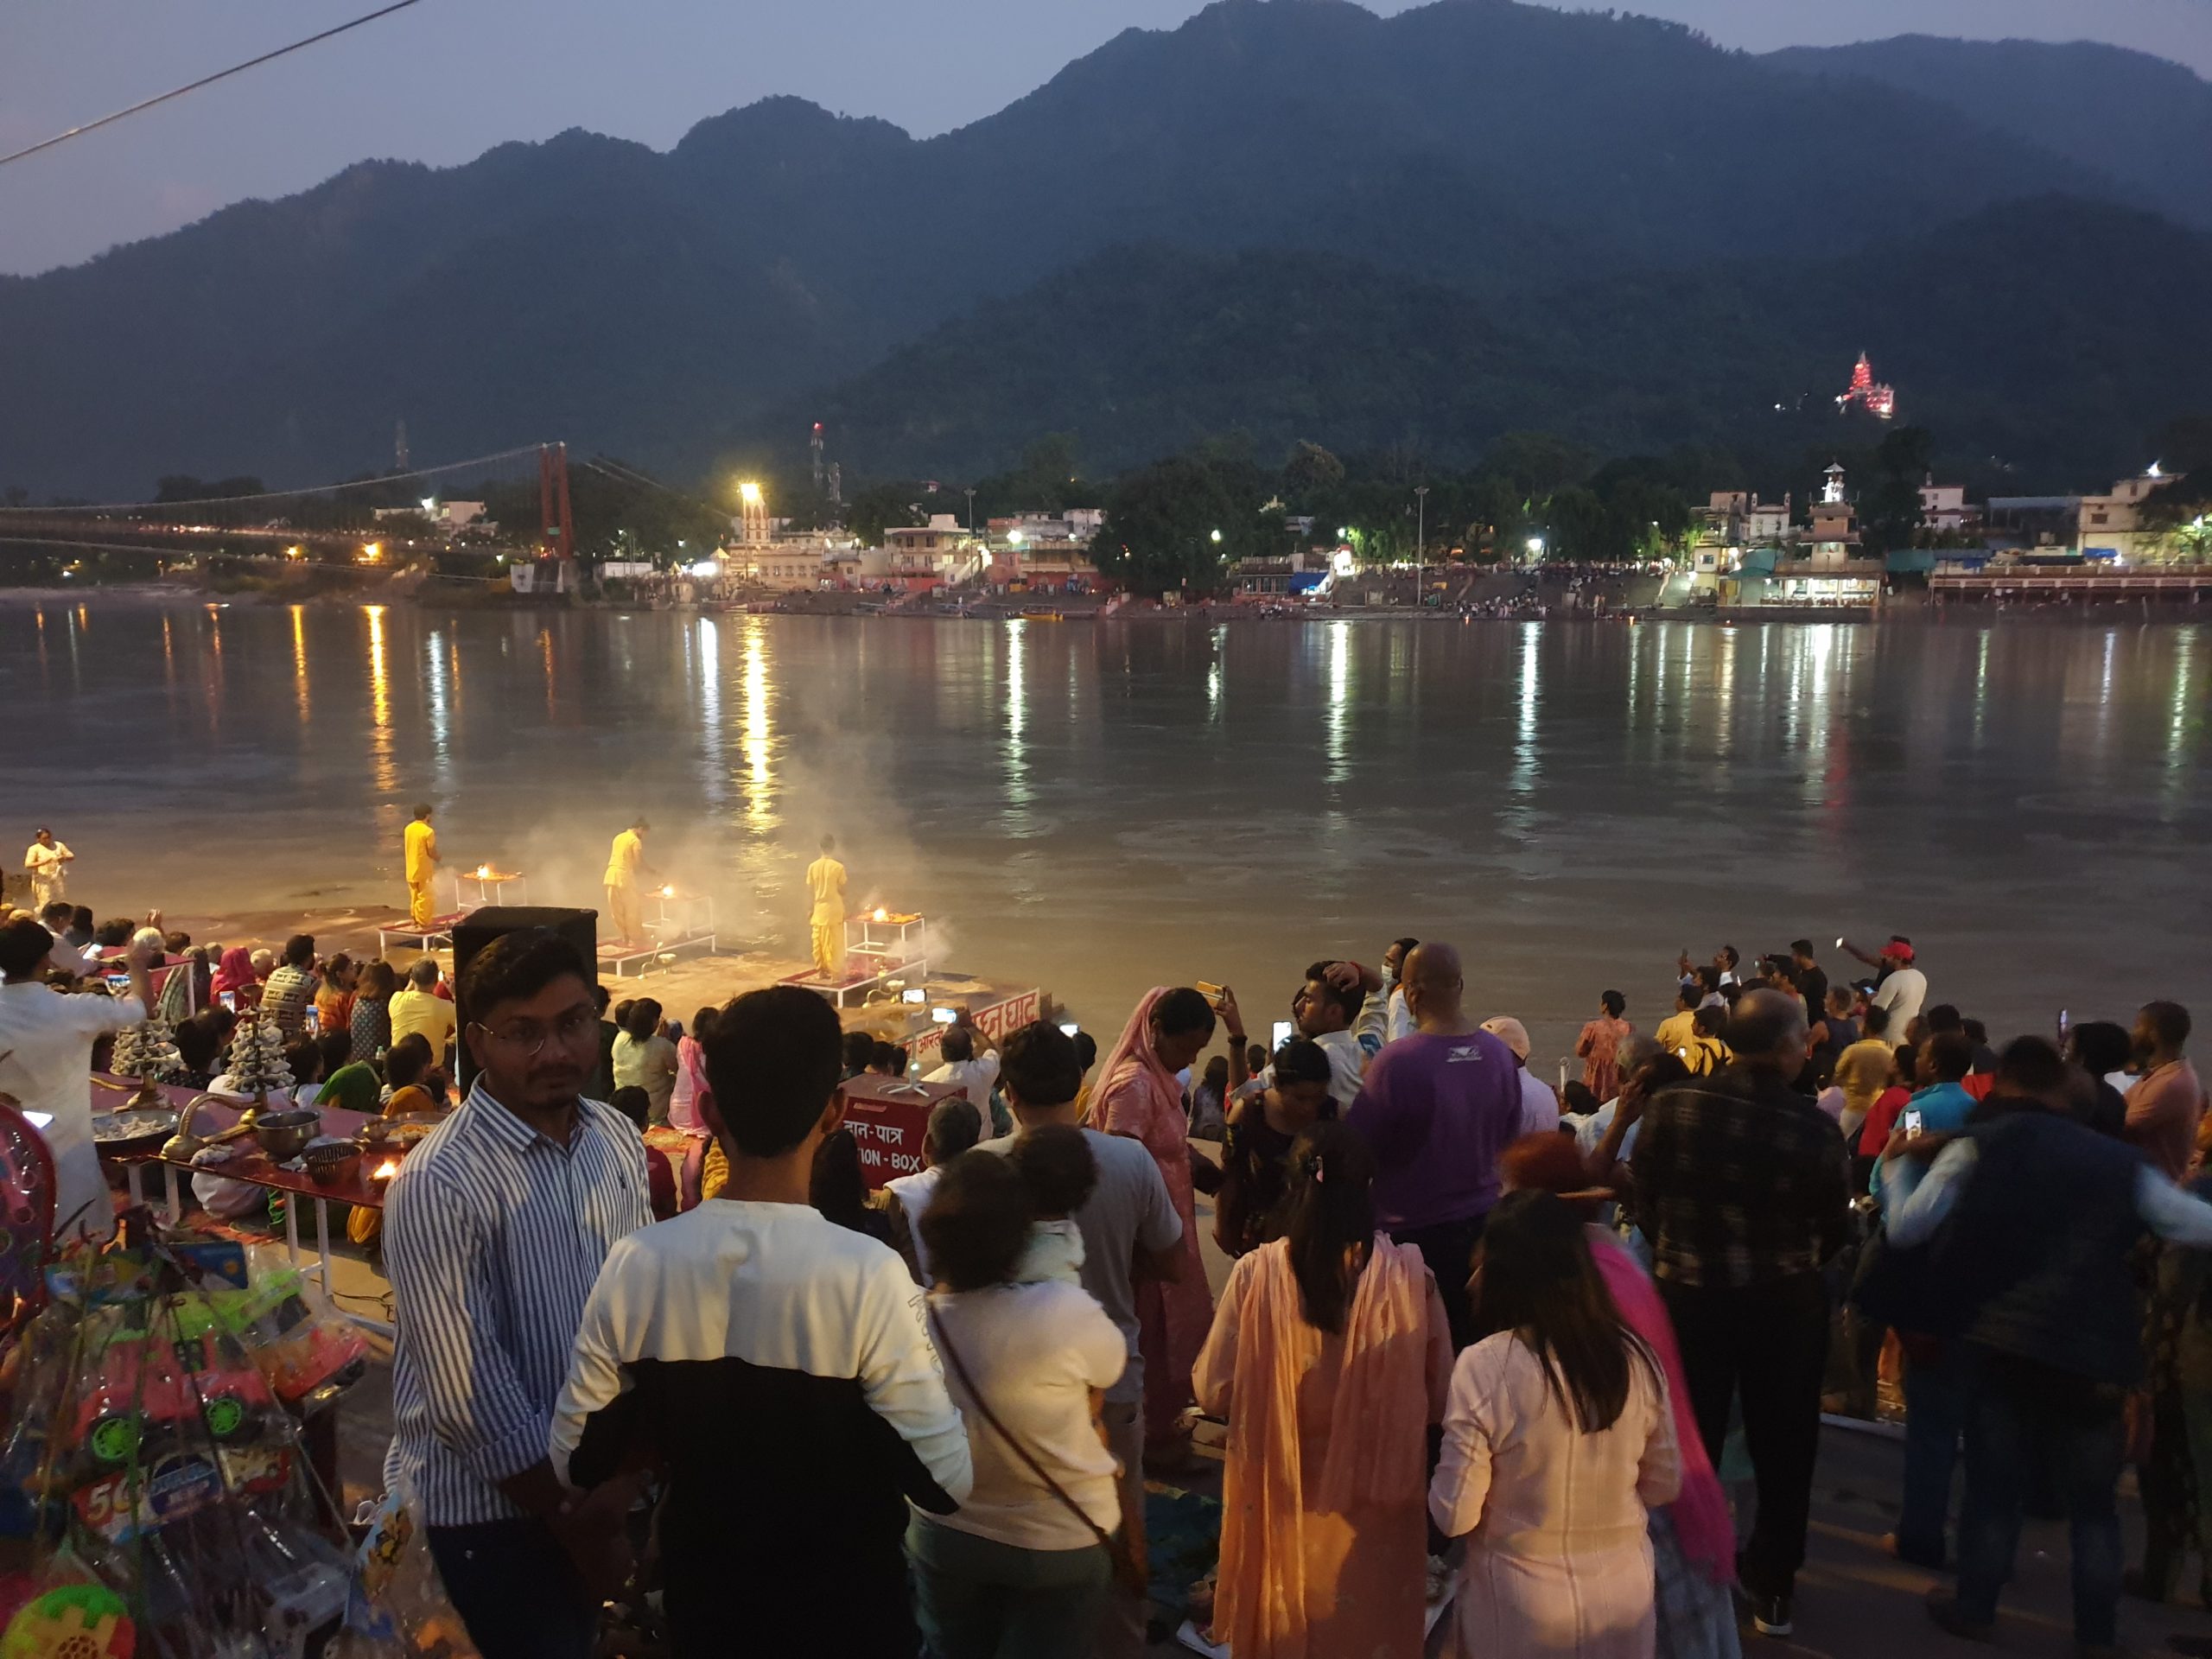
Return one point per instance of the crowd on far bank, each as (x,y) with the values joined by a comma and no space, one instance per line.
(1479,1338)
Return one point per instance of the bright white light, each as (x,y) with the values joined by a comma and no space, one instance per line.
(1343,562)
(1536,544)
(1217,536)
(704,567)
(749,493)
(2155,471)
(429,503)
(1014,535)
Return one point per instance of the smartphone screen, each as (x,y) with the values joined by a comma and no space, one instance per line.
(1280,1035)
(229,1000)
(310,1021)
(1911,1122)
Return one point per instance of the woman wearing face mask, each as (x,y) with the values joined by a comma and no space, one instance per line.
(1255,1154)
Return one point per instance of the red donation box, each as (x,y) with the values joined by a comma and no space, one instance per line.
(888,1117)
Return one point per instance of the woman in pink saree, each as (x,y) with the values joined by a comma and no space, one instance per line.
(1330,1359)
(1138,1096)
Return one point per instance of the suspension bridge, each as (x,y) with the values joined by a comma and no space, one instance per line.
(385,518)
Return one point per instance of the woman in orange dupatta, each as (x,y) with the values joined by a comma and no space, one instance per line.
(1138,1096)
(1330,1356)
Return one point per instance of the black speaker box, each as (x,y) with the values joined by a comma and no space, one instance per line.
(579,927)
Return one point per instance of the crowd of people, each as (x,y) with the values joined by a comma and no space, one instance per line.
(363,1035)
(1476,1336)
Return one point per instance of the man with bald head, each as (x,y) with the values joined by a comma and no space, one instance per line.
(1437,1107)
(1744,1188)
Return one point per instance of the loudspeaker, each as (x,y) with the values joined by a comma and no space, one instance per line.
(579,927)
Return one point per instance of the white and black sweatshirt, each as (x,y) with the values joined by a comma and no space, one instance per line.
(776,1367)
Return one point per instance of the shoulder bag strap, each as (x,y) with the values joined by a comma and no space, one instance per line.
(960,1368)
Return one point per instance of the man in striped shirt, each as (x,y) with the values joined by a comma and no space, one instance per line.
(494,1231)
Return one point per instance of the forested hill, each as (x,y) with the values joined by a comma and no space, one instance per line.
(2142,122)
(1402,225)
(1145,349)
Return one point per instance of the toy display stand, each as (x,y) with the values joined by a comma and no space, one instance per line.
(880,945)
(152,1469)
(490,884)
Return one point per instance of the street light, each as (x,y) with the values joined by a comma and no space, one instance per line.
(1535,547)
(1217,537)
(1420,538)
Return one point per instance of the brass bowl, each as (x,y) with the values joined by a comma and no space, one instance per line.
(284,1135)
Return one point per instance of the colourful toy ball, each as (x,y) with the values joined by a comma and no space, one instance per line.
(78,1621)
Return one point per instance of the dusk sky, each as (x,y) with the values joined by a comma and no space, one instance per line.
(447,79)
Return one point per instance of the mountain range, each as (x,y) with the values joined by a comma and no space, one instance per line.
(1288,218)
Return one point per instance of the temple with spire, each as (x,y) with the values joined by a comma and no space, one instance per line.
(1876,398)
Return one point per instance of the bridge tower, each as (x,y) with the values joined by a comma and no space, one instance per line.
(558,538)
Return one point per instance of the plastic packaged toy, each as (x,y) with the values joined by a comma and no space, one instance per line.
(151,1470)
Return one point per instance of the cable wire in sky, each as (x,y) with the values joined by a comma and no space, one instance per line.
(205,80)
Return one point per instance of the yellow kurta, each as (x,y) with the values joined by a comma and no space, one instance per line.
(623,858)
(622,861)
(422,844)
(826,879)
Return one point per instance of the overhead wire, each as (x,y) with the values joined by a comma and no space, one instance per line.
(622,475)
(205,80)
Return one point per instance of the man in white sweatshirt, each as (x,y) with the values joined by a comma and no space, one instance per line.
(776,1367)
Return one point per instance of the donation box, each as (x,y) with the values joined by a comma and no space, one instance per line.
(888,1117)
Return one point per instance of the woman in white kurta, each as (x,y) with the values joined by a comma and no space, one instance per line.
(1557,1434)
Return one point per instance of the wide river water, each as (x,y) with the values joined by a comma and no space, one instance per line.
(1099,808)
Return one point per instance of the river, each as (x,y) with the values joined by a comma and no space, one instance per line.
(1098,808)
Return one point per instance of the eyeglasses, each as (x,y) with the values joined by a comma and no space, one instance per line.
(527,1037)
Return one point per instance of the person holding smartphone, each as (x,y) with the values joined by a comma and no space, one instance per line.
(971,1064)
(1938,1105)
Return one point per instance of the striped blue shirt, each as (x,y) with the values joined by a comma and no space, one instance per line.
(493,1238)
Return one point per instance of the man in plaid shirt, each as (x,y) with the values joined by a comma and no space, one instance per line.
(1744,1187)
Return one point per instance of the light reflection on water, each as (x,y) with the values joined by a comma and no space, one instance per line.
(1101,808)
